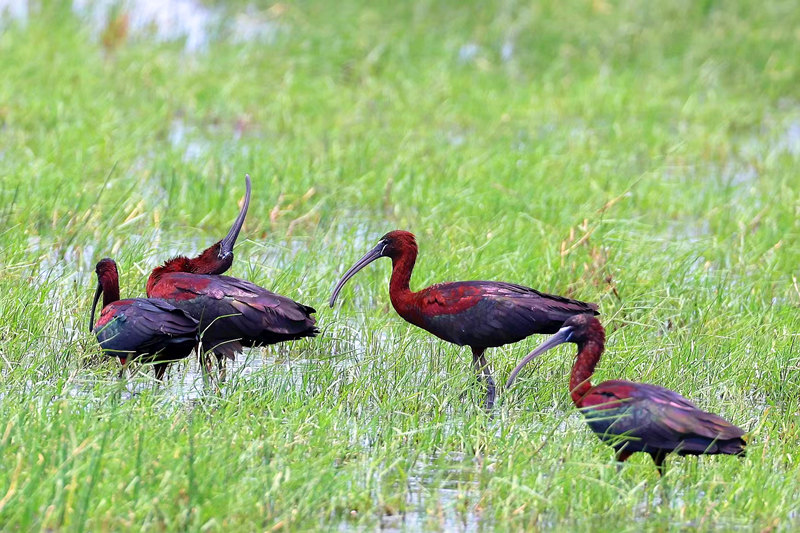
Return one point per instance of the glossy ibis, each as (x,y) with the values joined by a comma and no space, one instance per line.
(140,328)
(478,314)
(636,417)
(232,313)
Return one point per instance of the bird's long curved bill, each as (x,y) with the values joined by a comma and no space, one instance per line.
(94,305)
(368,258)
(226,246)
(560,337)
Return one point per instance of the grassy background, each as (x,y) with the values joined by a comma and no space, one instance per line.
(639,155)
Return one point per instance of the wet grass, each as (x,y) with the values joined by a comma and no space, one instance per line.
(642,156)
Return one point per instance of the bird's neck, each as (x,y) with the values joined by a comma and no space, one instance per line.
(208,262)
(589,353)
(110,284)
(402,266)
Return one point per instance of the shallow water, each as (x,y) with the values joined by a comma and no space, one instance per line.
(441,494)
(191,21)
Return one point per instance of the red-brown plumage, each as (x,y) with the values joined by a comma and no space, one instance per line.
(636,417)
(591,350)
(108,280)
(207,262)
(440,299)
(232,313)
(163,287)
(216,259)
(603,395)
(478,314)
(150,329)
(109,311)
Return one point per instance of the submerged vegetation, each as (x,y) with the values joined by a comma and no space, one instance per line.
(641,156)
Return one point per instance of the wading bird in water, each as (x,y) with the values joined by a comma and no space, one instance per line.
(232,312)
(140,328)
(636,417)
(478,314)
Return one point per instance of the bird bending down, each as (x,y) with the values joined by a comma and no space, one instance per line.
(147,329)
(636,417)
(478,314)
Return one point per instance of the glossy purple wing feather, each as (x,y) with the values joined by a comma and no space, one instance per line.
(235,313)
(650,418)
(487,313)
(141,326)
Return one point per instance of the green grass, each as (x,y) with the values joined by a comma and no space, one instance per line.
(639,155)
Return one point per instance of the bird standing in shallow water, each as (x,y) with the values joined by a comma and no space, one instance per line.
(140,328)
(478,314)
(232,312)
(636,417)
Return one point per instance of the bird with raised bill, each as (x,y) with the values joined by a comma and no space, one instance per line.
(232,312)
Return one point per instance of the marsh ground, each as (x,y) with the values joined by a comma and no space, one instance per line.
(639,155)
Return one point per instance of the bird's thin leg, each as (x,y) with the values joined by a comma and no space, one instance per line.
(160,369)
(222,368)
(208,363)
(208,374)
(484,374)
(658,459)
(203,360)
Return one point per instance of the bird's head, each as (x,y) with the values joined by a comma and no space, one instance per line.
(106,268)
(107,283)
(581,327)
(392,245)
(577,329)
(397,242)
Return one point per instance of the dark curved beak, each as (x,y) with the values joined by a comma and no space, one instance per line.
(94,305)
(368,258)
(226,244)
(560,337)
